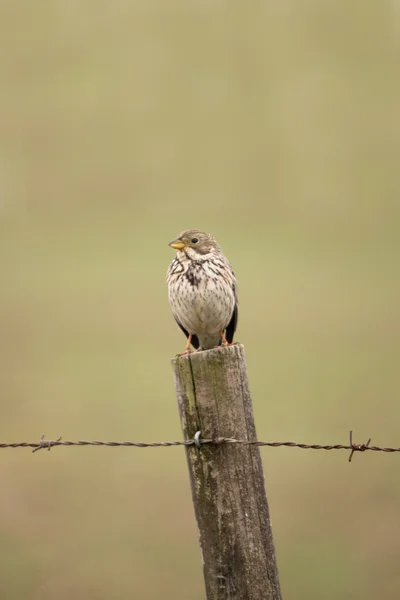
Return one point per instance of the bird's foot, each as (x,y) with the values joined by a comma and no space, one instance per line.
(187,349)
(224,341)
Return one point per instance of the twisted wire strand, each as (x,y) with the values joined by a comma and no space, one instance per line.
(198,442)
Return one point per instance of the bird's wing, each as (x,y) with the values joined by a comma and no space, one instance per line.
(195,339)
(231,327)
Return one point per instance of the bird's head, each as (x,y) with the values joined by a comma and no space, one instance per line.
(194,242)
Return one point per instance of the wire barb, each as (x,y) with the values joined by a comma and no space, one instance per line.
(357,447)
(46,444)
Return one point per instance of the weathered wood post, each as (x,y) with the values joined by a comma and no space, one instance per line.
(227,479)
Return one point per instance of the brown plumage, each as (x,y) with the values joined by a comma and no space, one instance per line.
(202,290)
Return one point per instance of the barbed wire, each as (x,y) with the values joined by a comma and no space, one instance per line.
(198,442)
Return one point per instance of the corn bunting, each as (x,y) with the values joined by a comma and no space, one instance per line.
(202,291)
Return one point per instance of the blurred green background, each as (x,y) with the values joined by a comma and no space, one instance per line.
(275,126)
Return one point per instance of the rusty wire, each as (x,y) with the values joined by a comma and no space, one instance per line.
(351,446)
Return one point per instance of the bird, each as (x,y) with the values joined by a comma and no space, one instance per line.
(202,291)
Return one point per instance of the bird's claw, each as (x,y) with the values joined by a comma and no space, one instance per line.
(226,345)
(186,353)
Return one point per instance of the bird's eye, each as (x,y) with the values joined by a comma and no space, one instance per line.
(194,240)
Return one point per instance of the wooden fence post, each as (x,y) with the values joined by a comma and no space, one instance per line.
(227,480)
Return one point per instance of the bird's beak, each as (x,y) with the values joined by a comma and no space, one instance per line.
(177,244)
